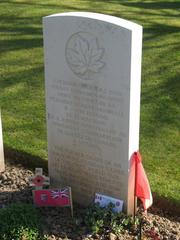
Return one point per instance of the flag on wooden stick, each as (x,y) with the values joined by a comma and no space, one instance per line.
(142,188)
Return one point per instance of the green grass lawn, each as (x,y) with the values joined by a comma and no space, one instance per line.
(22,80)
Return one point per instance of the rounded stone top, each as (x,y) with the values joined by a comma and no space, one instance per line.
(97,16)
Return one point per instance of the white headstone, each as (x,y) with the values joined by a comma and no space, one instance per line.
(92,74)
(2,165)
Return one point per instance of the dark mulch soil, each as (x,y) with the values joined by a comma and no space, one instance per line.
(58,224)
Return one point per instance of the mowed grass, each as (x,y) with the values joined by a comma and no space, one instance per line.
(22,98)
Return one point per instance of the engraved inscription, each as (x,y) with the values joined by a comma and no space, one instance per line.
(84,55)
(88,111)
(86,171)
(87,128)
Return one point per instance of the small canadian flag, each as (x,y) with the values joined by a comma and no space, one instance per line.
(142,188)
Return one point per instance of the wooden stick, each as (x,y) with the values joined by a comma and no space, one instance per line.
(140,229)
(2,165)
(135,198)
(135,207)
(71,202)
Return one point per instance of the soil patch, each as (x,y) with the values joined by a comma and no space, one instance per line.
(58,224)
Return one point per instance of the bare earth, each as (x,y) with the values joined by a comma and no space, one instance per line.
(58,224)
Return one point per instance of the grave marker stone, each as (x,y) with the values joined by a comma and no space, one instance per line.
(92,75)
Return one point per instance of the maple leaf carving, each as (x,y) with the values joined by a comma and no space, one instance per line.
(84,55)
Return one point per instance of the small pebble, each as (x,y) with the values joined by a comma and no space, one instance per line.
(112,236)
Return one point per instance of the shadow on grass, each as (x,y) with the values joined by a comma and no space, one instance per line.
(25,33)
(158,30)
(142,12)
(31,77)
(58,8)
(28,3)
(145,5)
(169,206)
(149,5)
(25,159)
(21,25)
(164,113)
(18,44)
